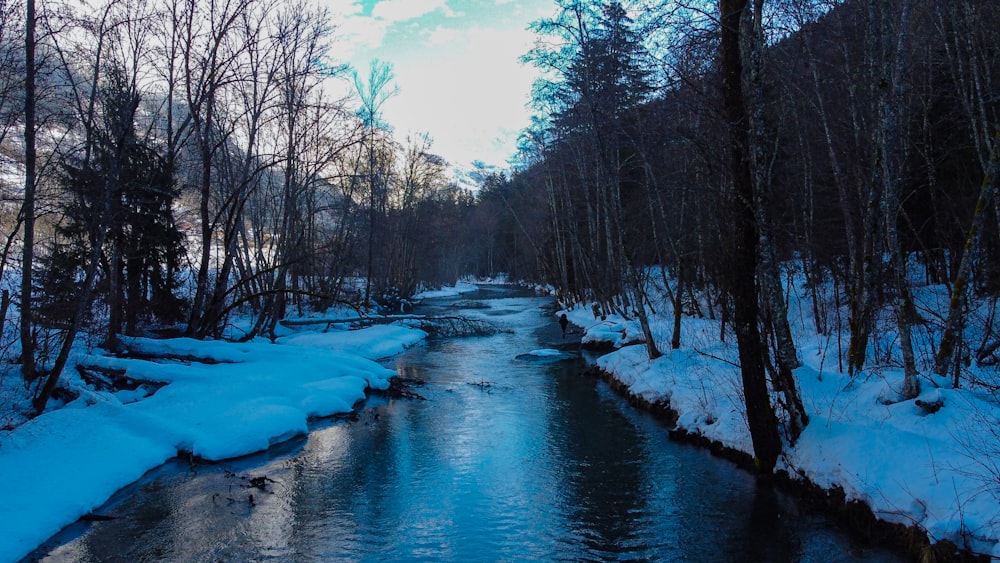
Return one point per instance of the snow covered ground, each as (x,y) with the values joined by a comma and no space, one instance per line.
(940,471)
(234,400)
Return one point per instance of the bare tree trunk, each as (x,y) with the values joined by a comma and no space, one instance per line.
(678,304)
(206,40)
(204,131)
(770,273)
(889,160)
(969,72)
(116,302)
(559,228)
(956,305)
(4,307)
(743,285)
(636,281)
(28,367)
(860,253)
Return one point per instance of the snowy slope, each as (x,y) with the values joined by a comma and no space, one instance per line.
(67,462)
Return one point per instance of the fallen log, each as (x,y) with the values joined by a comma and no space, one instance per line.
(110,379)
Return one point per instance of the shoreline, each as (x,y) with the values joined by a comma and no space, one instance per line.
(854,515)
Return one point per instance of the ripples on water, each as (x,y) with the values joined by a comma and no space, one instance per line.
(507,460)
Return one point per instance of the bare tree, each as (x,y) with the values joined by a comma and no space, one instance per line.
(760,413)
(966,47)
(28,206)
(210,48)
(306,147)
(889,139)
(374,93)
(770,276)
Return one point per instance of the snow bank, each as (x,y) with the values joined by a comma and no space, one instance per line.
(67,462)
(940,471)
(373,343)
(452,291)
(907,465)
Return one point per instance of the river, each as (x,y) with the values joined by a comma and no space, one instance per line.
(509,458)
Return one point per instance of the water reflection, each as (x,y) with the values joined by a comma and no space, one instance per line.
(505,460)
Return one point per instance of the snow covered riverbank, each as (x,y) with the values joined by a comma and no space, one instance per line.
(938,471)
(224,400)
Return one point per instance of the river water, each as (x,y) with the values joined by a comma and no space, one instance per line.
(509,458)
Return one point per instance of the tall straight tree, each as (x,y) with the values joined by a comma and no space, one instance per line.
(770,276)
(887,36)
(374,93)
(742,276)
(28,205)
(957,301)
(969,47)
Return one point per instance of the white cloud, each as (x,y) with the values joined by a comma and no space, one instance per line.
(337,7)
(458,72)
(470,95)
(353,31)
(404,10)
(357,32)
(442,36)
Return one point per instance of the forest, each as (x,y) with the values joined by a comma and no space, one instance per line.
(169,165)
(737,145)
(185,161)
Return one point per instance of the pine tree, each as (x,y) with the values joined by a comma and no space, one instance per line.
(120,200)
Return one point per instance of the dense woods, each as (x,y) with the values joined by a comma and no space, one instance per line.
(183,162)
(739,143)
(186,161)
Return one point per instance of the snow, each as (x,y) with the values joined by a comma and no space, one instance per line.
(545,352)
(546,355)
(376,342)
(610,332)
(940,471)
(450,291)
(67,462)
(907,465)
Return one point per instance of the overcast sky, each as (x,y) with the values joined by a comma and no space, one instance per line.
(456,66)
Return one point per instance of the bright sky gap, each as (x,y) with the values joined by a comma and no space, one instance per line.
(456,64)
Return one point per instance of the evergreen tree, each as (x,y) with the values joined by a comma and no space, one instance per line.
(610,73)
(119,199)
(605,78)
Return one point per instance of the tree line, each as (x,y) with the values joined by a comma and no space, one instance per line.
(170,164)
(185,160)
(736,142)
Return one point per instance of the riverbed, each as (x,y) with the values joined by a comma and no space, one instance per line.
(512,454)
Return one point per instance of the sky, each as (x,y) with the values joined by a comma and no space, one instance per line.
(456,64)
